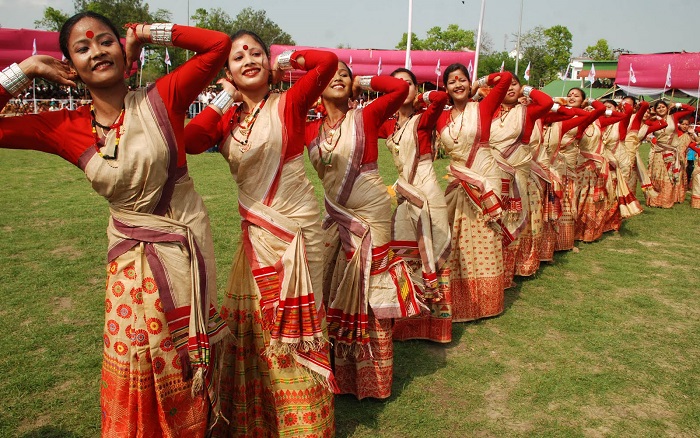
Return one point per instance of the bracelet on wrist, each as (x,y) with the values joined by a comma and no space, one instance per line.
(284,60)
(365,83)
(482,81)
(426,97)
(162,34)
(13,79)
(223,101)
(527,89)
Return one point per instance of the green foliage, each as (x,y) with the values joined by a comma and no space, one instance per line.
(548,51)
(453,38)
(52,21)
(248,19)
(491,63)
(119,11)
(599,51)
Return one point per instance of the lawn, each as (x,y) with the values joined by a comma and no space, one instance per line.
(603,342)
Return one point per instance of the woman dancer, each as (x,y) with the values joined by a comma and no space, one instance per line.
(161,331)
(511,128)
(273,300)
(685,137)
(640,126)
(664,165)
(365,284)
(473,201)
(420,232)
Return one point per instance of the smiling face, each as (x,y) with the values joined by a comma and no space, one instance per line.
(95,53)
(683,125)
(575,98)
(513,93)
(661,109)
(340,87)
(248,65)
(411,86)
(458,86)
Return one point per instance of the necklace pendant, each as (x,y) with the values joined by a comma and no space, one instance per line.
(455,140)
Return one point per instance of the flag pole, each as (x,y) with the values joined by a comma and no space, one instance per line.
(34,94)
(478,38)
(407,64)
(697,99)
(517,45)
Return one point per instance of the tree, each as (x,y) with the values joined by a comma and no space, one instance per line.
(53,20)
(453,38)
(599,51)
(120,12)
(547,50)
(559,44)
(214,19)
(491,62)
(266,29)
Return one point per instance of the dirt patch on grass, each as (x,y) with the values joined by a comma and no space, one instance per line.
(648,244)
(33,423)
(68,252)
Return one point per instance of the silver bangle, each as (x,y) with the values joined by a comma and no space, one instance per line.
(482,81)
(555,107)
(527,89)
(13,79)
(366,82)
(426,97)
(223,101)
(284,60)
(162,34)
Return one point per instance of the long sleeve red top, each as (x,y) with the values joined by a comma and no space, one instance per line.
(209,128)
(426,122)
(590,117)
(540,105)
(487,106)
(69,133)
(395,91)
(638,118)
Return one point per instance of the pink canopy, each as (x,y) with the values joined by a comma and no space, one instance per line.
(426,65)
(650,74)
(18,44)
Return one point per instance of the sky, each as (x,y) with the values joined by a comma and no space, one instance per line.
(640,26)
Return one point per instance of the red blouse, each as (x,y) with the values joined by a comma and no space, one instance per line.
(375,113)
(426,122)
(209,128)
(590,117)
(540,105)
(639,116)
(487,106)
(69,133)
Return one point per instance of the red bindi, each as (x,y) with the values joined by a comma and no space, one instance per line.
(89,34)
(245,46)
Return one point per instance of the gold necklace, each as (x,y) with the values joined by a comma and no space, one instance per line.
(398,127)
(461,124)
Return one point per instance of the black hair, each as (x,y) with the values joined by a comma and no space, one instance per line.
(659,102)
(452,68)
(634,99)
(583,93)
(67,28)
(348,68)
(611,102)
(408,72)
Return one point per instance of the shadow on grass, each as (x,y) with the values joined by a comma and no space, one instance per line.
(412,359)
(49,432)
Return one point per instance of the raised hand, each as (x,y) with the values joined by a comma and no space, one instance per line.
(49,68)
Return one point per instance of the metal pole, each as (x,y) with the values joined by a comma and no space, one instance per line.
(517,44)
(478,39)
(407,64)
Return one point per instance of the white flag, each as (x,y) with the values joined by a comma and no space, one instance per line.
(591,74)
(668,77)
(379,67)
(526,75)
(503,66)
(142,57)
(167,57)
(350,63)
(437,68)
(633,78)
(34,47)
(470,69)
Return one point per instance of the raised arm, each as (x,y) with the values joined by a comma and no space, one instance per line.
(685,109)
(500,82)
(320,67)
(436,101)
(540,105)
(590,117)
(639,116)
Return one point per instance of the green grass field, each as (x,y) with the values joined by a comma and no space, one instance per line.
(604,342)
